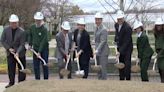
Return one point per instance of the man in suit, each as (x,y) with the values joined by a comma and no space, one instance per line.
(13,40)
(64,42)
(38,39)
(82,41)
(101,46)
(123,38)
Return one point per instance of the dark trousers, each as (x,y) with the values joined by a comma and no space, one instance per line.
(84,64)
(11,61)
(161,73)
(125,73)
(144,67)
(36,64)
(61,65)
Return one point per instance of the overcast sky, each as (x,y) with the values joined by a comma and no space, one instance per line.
(94,5)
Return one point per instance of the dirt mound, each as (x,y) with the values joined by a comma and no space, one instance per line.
(80,85)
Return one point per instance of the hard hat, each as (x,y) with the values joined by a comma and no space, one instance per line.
(39,16)
(120,14)
(159,21)
(81,21)
(13,18)
(137,24)
(65,25)
(98,15)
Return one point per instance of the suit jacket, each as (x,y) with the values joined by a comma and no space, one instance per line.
(123,38)
(17,44)
(101,41)
(143,47)
(85,45)
(60,49)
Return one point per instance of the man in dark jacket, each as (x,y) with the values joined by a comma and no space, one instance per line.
(13,40)
(123,38)
(82,41)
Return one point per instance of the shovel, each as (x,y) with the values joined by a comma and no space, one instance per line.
(79,73)
(136,68)
(119,65)
(23,70)
(96,67)
(153,71)
(65,71)
(44,62)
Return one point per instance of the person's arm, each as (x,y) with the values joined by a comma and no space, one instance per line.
(128,32)
(59,45)
(142,45)
(22,42)
(44,40)
(103,40)
(3,40)
(85,38)
(29,36)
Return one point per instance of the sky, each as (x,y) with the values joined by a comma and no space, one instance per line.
(95,5)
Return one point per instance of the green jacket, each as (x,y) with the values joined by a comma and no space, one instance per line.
(159,45)
(143,47)
(38,37)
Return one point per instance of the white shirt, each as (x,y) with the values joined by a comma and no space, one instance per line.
(139,34)
(119,28)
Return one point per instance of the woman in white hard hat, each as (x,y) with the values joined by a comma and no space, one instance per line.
(101,46)
(159,46)
(123,38)
(144,49)
(82,41)
(38,39)
(13,39)
(64,42)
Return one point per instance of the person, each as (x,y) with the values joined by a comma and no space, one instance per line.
(84,50)
(64,42)
(123,39)
(101,46)
(144,49)
(159,43)
(38,39)
(13,40)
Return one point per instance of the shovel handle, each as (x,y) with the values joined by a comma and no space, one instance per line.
(68,59)
(18,60)
(77,60)
(44,62)
(155,60)
(117,56)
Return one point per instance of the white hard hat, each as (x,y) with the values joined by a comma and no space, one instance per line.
(65,25)
(159,21)
(39,16)
(13,18)
(98,15)
(120,14)
(81,21)
(137,24)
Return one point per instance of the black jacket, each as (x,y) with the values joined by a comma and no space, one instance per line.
(124,38)
(84,42)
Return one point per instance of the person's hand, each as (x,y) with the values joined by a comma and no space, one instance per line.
(118,54)
(95,52)
(79,53)
(38,55)
(11,50)
(16,55)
